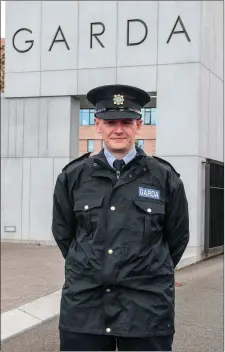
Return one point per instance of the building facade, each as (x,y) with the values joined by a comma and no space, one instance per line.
(57,51)
(88,139)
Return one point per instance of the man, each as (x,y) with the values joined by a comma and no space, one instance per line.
(120,219)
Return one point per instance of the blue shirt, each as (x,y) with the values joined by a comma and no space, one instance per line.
(128,157)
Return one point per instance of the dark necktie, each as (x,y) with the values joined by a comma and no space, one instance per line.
(118,164)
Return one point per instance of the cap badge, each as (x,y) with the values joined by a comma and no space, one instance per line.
(118,99)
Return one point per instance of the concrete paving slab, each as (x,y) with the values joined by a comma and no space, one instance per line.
(44,308)
(16,321)
(29,315)
(29,272)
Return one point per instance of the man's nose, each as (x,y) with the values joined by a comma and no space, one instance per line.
(118,128)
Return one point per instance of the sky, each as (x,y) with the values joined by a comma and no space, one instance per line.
(2,19)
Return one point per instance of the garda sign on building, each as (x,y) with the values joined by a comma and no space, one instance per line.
(95,34)
(52,38)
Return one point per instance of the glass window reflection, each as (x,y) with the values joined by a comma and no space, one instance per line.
(140,143)
(148,116)
(92,116)
(90,147)
(153,116)
(84,117)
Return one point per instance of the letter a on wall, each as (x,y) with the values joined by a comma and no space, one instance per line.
(55,40)
(183,31)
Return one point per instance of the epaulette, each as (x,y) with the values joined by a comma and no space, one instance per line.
(84,156)
(167,163)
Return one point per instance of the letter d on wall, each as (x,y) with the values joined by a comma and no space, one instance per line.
(128,32)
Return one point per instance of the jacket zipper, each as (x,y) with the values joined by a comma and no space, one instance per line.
(118,174)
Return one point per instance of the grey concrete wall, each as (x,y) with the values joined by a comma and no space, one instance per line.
(81,67)
(190,117)
(36,144)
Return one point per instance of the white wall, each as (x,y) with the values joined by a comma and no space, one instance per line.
(34,149)
(178,135)
(212,80)
(212,37)
(190,117)
(82,68)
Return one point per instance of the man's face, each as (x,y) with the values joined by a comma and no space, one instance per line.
(118,135)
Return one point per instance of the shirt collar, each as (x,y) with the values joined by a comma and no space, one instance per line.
(127,158)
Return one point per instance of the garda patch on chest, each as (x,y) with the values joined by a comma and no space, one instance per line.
(149,193)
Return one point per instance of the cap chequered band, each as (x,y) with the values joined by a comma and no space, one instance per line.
(138,112)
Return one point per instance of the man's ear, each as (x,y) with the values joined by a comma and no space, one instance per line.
(139,123)
(97,122)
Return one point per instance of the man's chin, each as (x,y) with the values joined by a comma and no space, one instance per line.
(119,147)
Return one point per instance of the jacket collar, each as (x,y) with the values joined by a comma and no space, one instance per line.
(101,155)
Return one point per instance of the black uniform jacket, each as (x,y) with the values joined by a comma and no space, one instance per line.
(121,239)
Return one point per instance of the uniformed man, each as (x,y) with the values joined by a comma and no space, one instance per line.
(120,219)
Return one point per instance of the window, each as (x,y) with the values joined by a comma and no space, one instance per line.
(149,116)
(140,143)
(87,117)
(90,145)
(153,116)
(84,117)
(103,144)
(91,117)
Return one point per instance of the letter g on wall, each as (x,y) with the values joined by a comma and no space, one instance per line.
(31,42)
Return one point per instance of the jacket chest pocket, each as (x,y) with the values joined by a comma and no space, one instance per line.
(88,213)
(152,215)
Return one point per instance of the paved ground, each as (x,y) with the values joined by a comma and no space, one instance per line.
(199,315)
(29,272)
